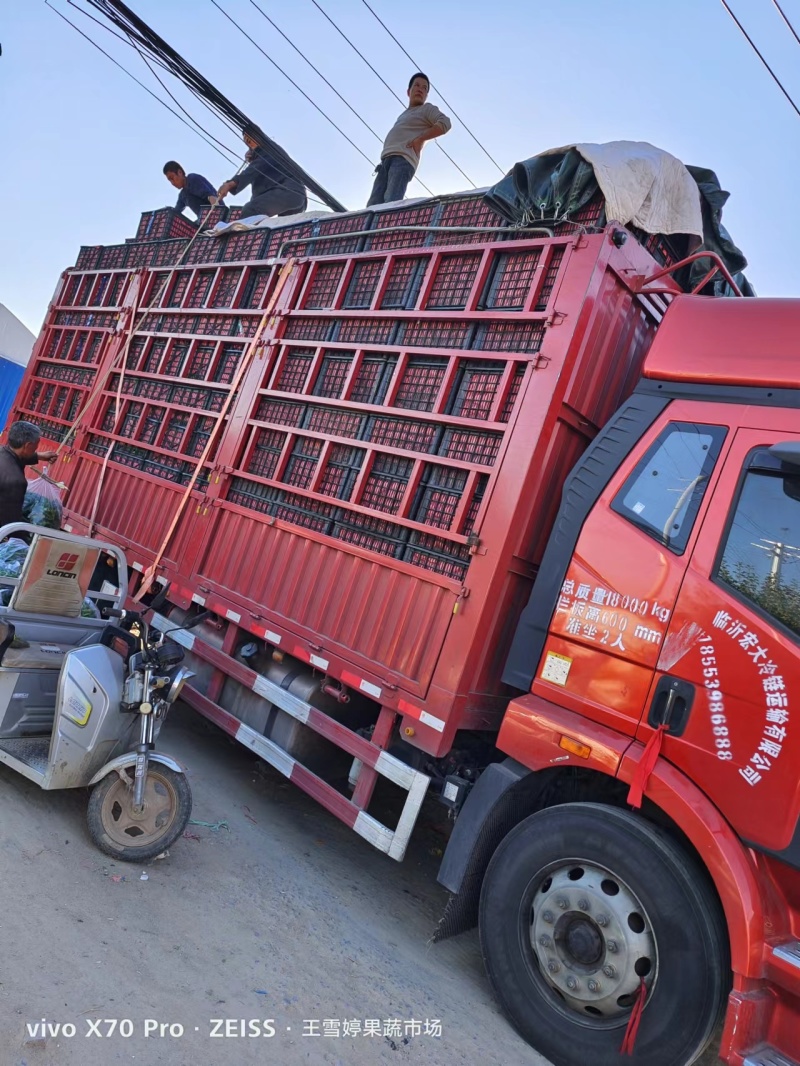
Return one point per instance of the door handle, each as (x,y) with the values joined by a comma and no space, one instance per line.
(671,704)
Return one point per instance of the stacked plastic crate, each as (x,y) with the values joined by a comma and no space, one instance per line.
(392,376)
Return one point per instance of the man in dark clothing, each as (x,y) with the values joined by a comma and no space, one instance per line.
(23,440)
(273,192)
(196,191)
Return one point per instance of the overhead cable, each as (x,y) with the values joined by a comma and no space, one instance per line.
(313,102)
(399,99)
(227,153)
(137,30)
(160,63)
(138,82)
(785,18)
(330,86)
(752,44)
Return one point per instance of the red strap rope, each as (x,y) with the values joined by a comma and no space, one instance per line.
(629,1040)
(646,766)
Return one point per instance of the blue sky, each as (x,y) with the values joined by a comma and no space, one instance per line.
(83,146)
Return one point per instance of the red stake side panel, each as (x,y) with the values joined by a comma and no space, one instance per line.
(590,360)
(385,480)
(133,509)
(342,601)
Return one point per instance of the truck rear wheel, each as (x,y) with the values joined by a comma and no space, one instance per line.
(587,911)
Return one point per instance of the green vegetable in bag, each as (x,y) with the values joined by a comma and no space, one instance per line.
(41,511)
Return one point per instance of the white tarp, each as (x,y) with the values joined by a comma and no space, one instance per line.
(643,185)
(245,225)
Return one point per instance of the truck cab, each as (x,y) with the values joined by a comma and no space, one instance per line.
(653,876)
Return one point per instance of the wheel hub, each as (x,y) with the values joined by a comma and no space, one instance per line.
(592,939)
(128,826)
(579,939)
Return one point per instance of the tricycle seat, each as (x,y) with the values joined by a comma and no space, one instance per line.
(34,657)
(16,654)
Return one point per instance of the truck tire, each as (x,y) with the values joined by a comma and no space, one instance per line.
(584,910)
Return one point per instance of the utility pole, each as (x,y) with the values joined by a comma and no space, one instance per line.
(779,552)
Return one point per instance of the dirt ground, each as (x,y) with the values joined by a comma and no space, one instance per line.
(285,915)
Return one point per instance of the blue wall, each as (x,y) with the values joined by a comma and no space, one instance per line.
(10,377)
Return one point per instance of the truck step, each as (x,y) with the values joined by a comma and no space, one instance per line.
(788,951)
(768,1056)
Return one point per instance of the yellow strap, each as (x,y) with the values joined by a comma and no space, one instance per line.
(149,574)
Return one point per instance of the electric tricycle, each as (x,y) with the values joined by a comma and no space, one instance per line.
(85,686)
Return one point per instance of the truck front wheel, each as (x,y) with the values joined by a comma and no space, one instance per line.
(590,914)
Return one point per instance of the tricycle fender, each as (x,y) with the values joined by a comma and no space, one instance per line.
(129,759)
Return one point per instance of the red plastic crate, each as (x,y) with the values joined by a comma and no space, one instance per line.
(210,216)
(162,224)
(396,397)
(88,257)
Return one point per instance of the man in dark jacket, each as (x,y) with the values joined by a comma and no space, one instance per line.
(23,440)
(196,192)
(273,192)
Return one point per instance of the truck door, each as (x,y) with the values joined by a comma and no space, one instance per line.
(728,674)
(623,580)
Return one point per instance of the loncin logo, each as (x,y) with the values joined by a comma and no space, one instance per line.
(65,566)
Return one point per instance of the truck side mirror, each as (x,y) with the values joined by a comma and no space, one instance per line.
(789,453)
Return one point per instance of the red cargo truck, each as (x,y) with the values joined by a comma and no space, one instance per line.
(357,441)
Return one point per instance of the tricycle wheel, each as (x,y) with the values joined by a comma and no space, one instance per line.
(135,836)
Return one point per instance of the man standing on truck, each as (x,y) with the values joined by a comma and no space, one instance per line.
(273,191)
(196,192)
(419,122)
(19,452)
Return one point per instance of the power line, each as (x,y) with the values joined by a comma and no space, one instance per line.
(388,86)
(160,62)
(177,103)
(227,153)
(316,70)
(231,157)
(292,81)
(223,119)
(359,54)
(332,87)
(441,94)
(752,44)
(138,31)
(102,25)
(133,77)
(792,30)
(231,152)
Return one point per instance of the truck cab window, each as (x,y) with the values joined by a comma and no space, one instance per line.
(761,556)
(663,494)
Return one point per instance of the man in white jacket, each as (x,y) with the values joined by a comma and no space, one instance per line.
(420,122)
